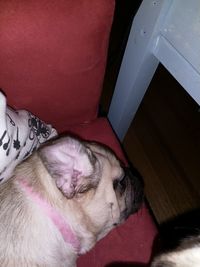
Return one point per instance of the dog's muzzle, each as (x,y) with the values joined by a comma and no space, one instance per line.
(133,192)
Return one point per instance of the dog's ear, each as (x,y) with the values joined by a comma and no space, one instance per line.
(71,164)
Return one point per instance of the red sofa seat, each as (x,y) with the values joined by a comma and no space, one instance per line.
(53,57)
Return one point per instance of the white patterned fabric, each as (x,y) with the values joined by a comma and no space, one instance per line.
(20,133)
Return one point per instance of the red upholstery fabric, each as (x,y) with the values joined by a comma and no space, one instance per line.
(54,55)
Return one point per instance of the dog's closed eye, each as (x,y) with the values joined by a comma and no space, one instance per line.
(120,184)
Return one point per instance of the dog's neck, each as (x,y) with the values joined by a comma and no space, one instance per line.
(54,215)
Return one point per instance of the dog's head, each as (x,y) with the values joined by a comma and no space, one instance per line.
(91,175)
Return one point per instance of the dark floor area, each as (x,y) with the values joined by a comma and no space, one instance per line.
(163,144)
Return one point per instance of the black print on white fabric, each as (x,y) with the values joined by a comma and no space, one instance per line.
(38,131)
(17,155)
(16,142)
(38,128)
(2,137)
(5,145)
(11,120)
(28,153)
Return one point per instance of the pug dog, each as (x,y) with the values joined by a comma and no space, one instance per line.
(61,200)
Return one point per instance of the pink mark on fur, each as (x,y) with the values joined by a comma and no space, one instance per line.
(58,220)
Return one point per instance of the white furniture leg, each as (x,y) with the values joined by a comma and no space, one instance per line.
(138,66)
(166,31)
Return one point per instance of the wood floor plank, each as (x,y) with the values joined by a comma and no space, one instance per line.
(163,144)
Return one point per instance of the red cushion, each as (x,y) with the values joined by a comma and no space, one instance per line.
(132,241)
(53,55)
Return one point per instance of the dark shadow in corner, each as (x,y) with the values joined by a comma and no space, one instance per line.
(173,231)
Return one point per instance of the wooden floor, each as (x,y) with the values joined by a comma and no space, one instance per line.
(163,143)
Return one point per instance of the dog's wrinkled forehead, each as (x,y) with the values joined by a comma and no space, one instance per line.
(100,151)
